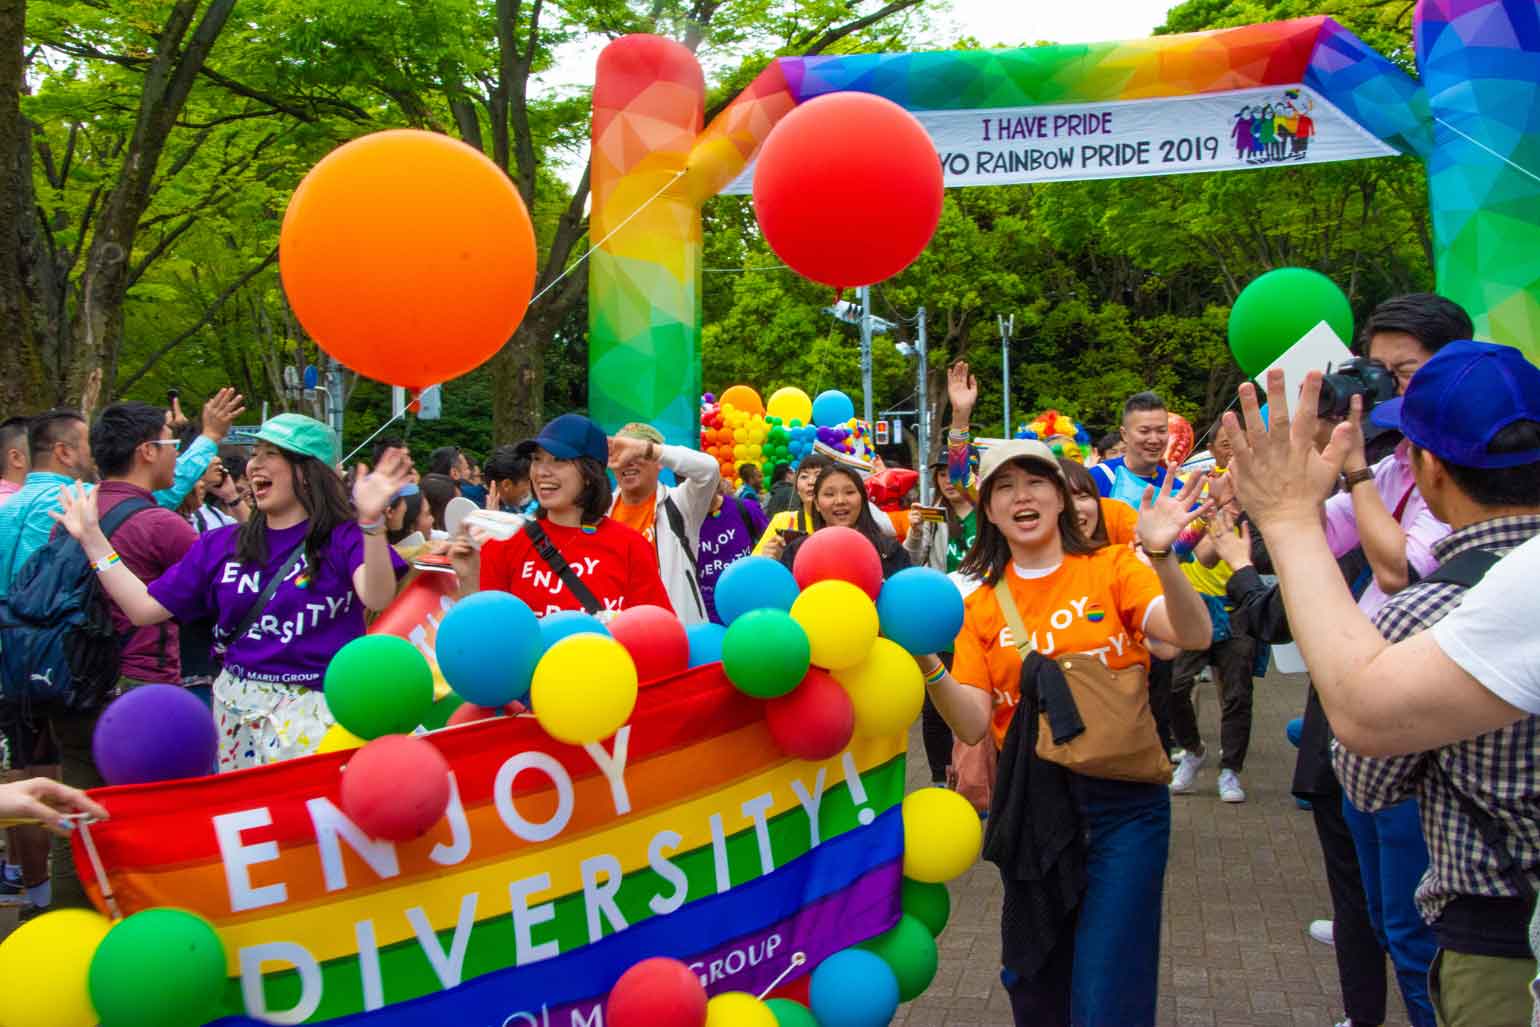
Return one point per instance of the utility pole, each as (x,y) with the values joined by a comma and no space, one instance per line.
(924,409)
(334,394)
(866,351)
(1007,329)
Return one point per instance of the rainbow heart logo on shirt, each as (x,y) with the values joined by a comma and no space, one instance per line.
(303,581)
(1095,614)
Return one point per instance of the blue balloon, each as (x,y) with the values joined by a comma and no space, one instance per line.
(556,626)
(705,643)
(853,988)
(832,407)
(921,610)
(753,583)
(487,647)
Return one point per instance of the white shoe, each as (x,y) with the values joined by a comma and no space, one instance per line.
(1186,773)
(1321,931)
(1230,789)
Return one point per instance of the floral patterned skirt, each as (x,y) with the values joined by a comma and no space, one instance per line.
(263,722)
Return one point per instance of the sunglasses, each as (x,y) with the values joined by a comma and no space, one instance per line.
(175,444)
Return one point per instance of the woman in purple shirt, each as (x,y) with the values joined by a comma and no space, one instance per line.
(333,561)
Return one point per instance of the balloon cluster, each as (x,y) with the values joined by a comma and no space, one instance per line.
(1063,435)
(156,968)
(740,428)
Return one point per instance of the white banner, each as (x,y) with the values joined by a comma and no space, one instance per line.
(1232,131)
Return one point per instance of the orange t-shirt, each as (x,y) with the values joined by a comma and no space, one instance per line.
(1120,520)
(638,516)
(1093,604)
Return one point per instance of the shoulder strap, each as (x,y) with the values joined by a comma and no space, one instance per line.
(748,522)
(1406,498)
(1019,635)
(558,563)
(122,512)
(676,524)
(267,592)
(1466,569)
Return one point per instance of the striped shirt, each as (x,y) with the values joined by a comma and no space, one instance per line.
(1498,771)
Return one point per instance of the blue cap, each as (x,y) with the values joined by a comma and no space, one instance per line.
(1458,402)
(568,437)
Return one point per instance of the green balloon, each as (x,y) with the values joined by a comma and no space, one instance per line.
(910,952)
(930,904)
(1277,308)
(765,653)
(791,1014)
(158,968)
(379,685)
(440,712)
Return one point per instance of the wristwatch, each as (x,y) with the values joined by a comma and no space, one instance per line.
(1350,479)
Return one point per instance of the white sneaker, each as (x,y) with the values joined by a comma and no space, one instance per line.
(1321,931)
(1186,773)
(1230,789)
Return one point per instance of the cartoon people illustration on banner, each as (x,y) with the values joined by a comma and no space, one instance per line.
(1276,131)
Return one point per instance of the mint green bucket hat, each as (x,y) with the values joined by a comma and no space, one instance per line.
(305,436)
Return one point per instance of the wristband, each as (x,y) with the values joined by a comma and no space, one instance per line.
(1350,479)
(936,675)
(107,562)
(371,527)
(1157,554)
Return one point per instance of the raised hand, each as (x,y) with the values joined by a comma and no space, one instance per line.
(1234,549)
(1162,516)
(1278,474)
(372,494)
(220,412)
(962,390)
(624,450)
(43,799)
(77,512)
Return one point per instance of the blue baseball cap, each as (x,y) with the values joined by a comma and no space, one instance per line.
(1459,401)
(568,437)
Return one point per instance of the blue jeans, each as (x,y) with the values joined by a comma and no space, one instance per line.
(1393,857)
(1115,963)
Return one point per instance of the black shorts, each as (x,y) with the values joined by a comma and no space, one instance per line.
(29,740)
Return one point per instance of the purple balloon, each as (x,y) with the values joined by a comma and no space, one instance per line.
(709,398)
(155,733)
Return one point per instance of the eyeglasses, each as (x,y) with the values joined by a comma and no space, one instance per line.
(175,444)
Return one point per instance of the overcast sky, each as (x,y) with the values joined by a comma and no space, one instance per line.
(1059,21)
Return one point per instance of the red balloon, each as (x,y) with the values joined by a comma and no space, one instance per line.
(841,554)
(655,992)
(815,720)
(469,713)
(1179,441)
(396,787)
(848,188)
(655,639)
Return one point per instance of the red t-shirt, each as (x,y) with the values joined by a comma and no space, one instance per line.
(617,564)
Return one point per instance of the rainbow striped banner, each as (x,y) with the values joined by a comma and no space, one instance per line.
(688,834)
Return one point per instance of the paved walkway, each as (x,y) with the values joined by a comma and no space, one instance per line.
(1242,884)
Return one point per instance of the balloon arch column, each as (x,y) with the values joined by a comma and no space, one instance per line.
(1172,104)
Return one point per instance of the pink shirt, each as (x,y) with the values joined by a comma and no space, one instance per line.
(7,490)
(1398,489)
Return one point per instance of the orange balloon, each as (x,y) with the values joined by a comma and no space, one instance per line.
(741,397)
(408,256)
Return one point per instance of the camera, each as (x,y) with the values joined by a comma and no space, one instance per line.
(1358,377)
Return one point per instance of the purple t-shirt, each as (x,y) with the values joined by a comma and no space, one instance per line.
(312,614)
(725,536)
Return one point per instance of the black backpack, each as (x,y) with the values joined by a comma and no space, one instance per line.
(58,648)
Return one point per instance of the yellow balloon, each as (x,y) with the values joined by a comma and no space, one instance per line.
(789,404)
(942,835)
(46,964)
(584,688)
(886,689)
(840,621)
(339,739)
(738,1009)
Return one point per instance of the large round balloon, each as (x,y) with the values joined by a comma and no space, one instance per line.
(1277,308)
(838,553)
(379,685)
(886,690)
(840,623)
(790,404)
(942,835)
(585,689)
(741,397)
(396,787)
(791,1014)
(705,643)
(46,964)
(814,721)
(765,653)
(832,408)
(753,583)
(854,988)
(487,647)
(921,610)
(909,949)
(655,639)
(155,733)
(561,624)
(158,968)
(847,189)
(1179,439)
(738,1009)
(929,903)
(408,256)
(656,991)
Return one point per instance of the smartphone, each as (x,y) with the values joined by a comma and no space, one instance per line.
(934,514)
(172,395)
(790,535)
